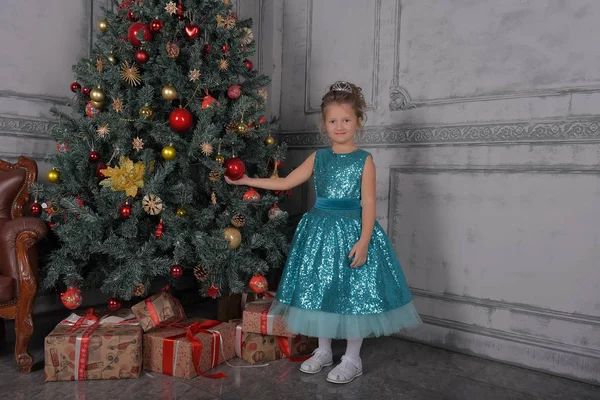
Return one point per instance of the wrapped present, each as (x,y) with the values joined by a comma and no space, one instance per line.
(86,348)
(158,310)
(257,319)
(231,307)
(189,348)
(255,348)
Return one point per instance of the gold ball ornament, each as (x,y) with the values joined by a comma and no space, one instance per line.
(97,94)
(181,212)
(112,58)
(234,237)
(99,105)
(146,112)
(269,140)
(220,159)
(53,176)
(169,92)
(168,152)
(241,128)
(103,25)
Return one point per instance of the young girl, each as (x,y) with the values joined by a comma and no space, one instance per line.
(342,279)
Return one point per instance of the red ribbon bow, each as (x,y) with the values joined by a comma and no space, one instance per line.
(190,334)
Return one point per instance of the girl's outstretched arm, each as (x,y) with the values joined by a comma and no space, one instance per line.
(367,200)
(295,178)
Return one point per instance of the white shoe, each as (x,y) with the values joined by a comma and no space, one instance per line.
(345,371)
(320,359)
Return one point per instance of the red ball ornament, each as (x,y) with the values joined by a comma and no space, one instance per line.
(208,101)
(180,120)
(113,304)
(94,156)
(234,92)
(191,31)
(206,50)
(142,56)
(159,229)
(90,110)
(176,271)
(75,86)
(125,211)
(234,168)
(262,119)
(85,91)
(35,209)
(156,25)
(131,15)
(248,64)
(71,298)
(225,48)
(51,224)
(258,284)
(251,195)
(134,29)
(99,169)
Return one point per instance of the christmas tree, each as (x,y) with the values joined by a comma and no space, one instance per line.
(167,104)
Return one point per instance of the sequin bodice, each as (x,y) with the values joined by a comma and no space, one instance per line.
(339,176)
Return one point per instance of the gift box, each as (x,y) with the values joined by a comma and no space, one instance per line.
(257,319)
(189,348)
(255,348)
(158,310)
(86,348)
(231,307)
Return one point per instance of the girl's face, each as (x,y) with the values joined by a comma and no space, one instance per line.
(341,123)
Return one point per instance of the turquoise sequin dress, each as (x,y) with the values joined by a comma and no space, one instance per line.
(319,294)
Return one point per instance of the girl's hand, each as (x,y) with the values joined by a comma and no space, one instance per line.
(359,252)
(242,181)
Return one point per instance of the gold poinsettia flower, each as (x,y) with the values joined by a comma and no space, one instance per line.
(126,176)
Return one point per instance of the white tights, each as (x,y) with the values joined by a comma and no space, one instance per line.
(352,349)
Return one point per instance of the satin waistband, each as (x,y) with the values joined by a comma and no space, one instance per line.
(323,203)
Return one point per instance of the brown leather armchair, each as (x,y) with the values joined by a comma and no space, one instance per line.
(18,254)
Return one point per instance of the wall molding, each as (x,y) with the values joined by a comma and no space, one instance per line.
(42,98)
(512,307)
(400,98)
(372,102)
(26,126)
(565,130)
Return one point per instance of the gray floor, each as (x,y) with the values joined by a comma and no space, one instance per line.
(394,369)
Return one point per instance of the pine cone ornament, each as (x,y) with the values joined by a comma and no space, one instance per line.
(238,220)
(214,175)
(139,290)
(201,273)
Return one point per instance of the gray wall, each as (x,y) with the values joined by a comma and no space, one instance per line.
(483,122)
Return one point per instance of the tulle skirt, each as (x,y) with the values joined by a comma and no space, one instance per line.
(320,295)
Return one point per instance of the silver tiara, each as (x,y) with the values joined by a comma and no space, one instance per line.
(341,86)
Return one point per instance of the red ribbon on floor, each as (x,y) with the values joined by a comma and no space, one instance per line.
(190,333)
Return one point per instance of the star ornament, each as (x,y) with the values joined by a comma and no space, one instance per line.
(117,105)
(207,149)
(137,143)
(223,65)
(102,131)
(131,74)
(171,8)
(194,75)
